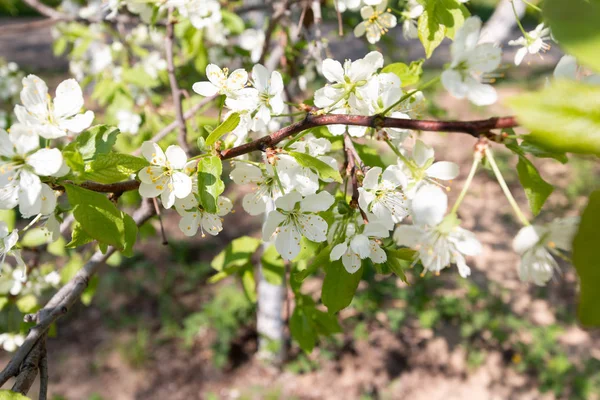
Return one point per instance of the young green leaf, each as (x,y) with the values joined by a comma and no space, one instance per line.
(226,126)
(536,189)
(113,167)
(408,74)
(574,24)
(273,266)
(586,259)
(339,286)
(79,237)
(440,18)
(302,329)
(100,219)
(324,170)
(210,185)
(98,139)
(564,117)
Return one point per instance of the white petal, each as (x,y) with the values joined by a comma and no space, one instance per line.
(255,203)
(205,89)
(288,202)
(182,185)
(48,198)
(245,173)
(465,242)
(333,71)
(526,239)
(150,190)
(68,100)
(481,94)
(34,95)
(260,75)
(452,81)
(77,124)
(211,224)
(351,262)
(377,255)
(30,189)
(371,180)
(167,197)
(429,205)
(287,242)
(237,79)
(422,153)
(45,162)
(444,170)
(176,157)
(485,58)
(189,224)
(337,251)
(153,153)
(317,202)
(225,206)
(520,55)
(274,219)
(313,227)
(463,268)
(361,246)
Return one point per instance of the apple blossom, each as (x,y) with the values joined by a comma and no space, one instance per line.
(164,177)
(295,217)
(536,244)
(532,43)
(376,22)
(470,61)
(382,194)
(438,240)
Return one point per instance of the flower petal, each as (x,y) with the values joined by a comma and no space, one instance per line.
(429,205)
(176,156)
(444,170)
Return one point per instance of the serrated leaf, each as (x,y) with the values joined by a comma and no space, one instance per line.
(99,218)
(273,266)
(408,74)
(237,253)
(564,117)
(302,329)
(249,283)
(574,24)
(98,139)
(324,170)
(210,185)
(225,127)
(440,18)
(586,259)
(536,189)
(339,286)
(113,167)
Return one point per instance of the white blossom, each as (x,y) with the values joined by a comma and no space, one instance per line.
(536,244)
(532,43)
(194,217)
(438,240)
(377,22)
(220,82)
(129,122)
(270,100)
(382,195)
(52,119)
(296,217)
(7,242)
(21,165)
(164,177)
(470,61)
(11,341)
(266,189)
(253,41)
(410,15)
(361,242)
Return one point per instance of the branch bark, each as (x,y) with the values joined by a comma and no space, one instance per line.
(62,300)
(176,92)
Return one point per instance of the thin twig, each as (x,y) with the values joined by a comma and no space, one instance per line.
(62,300)
(176,92)
(44,375)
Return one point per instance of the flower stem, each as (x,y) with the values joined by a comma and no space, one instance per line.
(409,94)
(397,152)
(525,34)
(505,189)
(278,180)
(532,5)
(465,189)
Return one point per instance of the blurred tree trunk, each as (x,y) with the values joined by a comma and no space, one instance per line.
(498,28)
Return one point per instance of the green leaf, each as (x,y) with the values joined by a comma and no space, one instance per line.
(88,294)
(564,117)
(408,74)
(339,286)
(10,395)
(131,232)
(324,170)
(113,167)
(398,264)
(237,253)
(233,22)
(226,126)
(79,237)
(139,77)
(322,258)
(440,18)
(27,304)
(248,283)
(540,152)
(326,323)
(210,185)
(574,24)
(302,329)
(586,259)
(99,218)
(536,189)
(273,266)
(98,139)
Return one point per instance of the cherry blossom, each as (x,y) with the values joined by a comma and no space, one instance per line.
(361,242)
(194,217)
(532,43)
(377,22)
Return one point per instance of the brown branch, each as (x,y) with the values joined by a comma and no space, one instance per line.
(169,38)
(44,375)
(474,128)
(29,368)
(354,167)
(62,300)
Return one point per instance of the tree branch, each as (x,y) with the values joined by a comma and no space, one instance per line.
(169,38)
(62,300)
